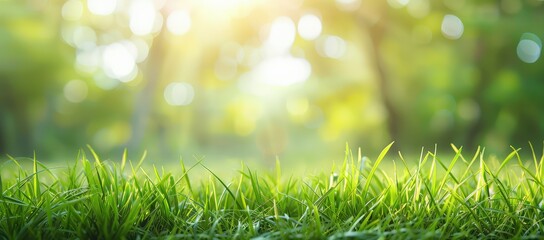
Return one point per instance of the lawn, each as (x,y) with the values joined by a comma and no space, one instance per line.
(467,196)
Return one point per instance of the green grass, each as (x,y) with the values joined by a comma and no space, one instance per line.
(468,196)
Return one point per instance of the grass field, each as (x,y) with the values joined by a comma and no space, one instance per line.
(467,196)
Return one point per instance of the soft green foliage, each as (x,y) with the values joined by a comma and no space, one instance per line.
(396,77)
(465,197)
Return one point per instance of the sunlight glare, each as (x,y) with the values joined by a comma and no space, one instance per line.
(283,71)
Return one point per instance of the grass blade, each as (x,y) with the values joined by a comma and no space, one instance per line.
(375,167)
(224,185)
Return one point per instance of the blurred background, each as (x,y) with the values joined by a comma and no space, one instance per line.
(256,79)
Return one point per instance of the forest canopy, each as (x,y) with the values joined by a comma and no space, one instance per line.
(268,78)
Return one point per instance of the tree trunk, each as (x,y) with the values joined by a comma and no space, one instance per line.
(144,100)
(476,130)
(376,31)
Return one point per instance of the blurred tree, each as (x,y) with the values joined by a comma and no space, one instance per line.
(268,76)
(30,65)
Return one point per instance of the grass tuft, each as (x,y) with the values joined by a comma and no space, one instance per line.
(461,197)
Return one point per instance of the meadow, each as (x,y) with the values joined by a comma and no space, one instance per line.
(468,196)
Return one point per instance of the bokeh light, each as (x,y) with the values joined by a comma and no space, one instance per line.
(72,10)
(398,3)
(117,133)
(75,91)
(468,110)
(348,5)
(179,22)
(118,62)
(102,7)
(104,82)
(247,75)
(309,26)
(83,37)
(419,8)
(281,36)
(89,60)
(529,48)
(139,49)
(331,46)
(452,27)
(179,94)
(143,17)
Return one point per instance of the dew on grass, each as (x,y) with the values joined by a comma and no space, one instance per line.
(333,180)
